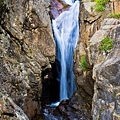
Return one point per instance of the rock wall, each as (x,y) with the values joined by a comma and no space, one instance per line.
(102,71)
(26,50)
(90,22)
(106,72)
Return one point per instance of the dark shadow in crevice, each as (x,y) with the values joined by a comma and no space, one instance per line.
(50,86)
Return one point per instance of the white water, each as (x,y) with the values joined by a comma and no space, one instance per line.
(69,2)
(66,33)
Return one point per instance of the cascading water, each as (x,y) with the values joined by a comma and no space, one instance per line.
(66,33)
(69,2)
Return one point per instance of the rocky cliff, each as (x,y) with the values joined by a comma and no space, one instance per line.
(100,69)
(26,50)
(106,72)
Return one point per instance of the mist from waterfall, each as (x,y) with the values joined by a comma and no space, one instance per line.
(66,33)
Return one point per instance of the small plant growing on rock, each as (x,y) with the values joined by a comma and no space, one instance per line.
(100,5)
(102,2)
(106,44)
(99,8)
(112,15)
(83,63)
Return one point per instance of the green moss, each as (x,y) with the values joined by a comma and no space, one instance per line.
(83,62)
(106,44)
(100,5)
(102,2)
(99,8)
(112,15)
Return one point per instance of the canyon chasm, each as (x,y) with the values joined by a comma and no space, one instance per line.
(28,69)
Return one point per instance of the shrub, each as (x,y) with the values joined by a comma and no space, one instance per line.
(106,44)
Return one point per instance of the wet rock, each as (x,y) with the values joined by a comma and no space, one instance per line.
(68,112)
(65,111)
(57,7)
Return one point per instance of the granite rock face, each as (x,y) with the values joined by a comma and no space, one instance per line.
(106,72)
(26,50)
(102,72)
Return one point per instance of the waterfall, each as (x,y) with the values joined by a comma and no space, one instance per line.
(66,33)
(69,2)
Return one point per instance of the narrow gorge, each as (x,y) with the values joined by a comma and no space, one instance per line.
(59,60)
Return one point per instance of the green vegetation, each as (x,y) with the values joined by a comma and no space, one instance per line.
(112,15)
(100,5)
(99,8)
(106,44)
(83,62)
(102,2)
